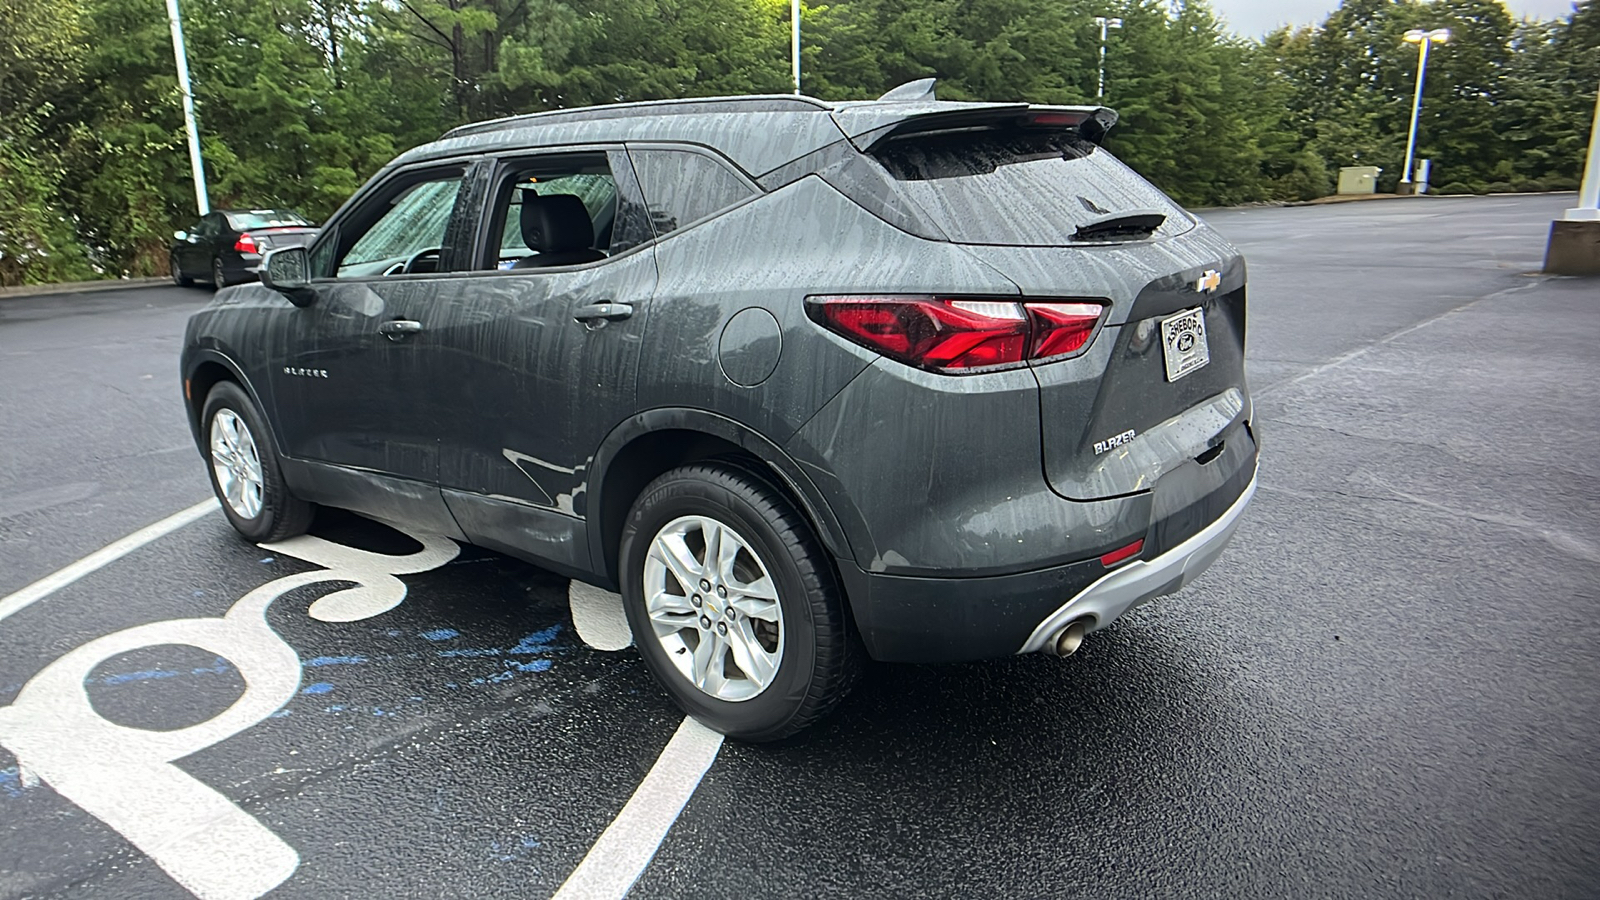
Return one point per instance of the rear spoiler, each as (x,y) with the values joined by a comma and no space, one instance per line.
(868,124)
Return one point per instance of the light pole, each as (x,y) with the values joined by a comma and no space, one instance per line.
(182,59)
(1424,39)
(794,41)
(1104,23)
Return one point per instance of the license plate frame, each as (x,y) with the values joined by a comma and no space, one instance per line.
(1184,347)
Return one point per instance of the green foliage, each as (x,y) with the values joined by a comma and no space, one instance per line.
(300,101)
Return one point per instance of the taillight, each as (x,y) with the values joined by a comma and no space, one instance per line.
(246,244)
(959,334)
(1061,329)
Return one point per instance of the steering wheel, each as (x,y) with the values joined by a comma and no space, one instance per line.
(409,267)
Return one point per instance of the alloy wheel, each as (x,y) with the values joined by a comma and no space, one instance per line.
(714,607)
(236,463)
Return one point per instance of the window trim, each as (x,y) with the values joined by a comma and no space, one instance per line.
(756,190)
(491,225)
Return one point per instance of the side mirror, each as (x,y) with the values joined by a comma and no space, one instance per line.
(181,235)
(287,270)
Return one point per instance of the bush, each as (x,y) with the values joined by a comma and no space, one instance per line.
(1499,187)
(1561,183)
(1456,187)
(1528,186)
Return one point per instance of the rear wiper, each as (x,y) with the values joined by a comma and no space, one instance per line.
(1132,224)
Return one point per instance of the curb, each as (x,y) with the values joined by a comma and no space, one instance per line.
(1335,199)
(80,287)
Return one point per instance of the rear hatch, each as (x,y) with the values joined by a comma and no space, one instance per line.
(1028,194)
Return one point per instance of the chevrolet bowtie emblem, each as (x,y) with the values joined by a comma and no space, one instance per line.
(1209,282)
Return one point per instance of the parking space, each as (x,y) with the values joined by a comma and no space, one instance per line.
(1385,687)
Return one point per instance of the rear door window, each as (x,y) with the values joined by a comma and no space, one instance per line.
(265,218)
(682,187)
(562,209)
(1018,187)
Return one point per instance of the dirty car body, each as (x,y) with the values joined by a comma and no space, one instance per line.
(997,377)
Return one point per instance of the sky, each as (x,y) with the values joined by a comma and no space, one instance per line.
(1255,18)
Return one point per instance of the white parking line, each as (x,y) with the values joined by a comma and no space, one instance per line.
(111,552)
(628,844)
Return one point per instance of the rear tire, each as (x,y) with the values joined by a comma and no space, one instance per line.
(244,469)
(178,278)
(219,278)
(781,653)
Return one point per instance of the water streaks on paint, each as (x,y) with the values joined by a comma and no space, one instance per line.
(441,634)
(321,687)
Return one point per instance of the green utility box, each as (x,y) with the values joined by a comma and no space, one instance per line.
(1358,179)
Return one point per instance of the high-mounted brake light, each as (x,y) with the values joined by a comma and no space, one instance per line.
(959,334)
(246,244)
(1055,119)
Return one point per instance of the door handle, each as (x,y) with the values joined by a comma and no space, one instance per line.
(602,312)
(396,329)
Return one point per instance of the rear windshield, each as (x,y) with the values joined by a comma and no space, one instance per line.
(1017,187)
(265,218)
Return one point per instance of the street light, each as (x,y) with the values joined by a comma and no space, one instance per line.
(1104,24)
(1423,39)
(182,59)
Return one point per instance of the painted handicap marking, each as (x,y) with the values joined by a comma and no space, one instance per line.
(125,776)
(598,617)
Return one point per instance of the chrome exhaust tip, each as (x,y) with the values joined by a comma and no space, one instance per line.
(1067,641)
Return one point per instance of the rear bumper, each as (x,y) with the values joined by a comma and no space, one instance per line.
(928,620)
(1127,586)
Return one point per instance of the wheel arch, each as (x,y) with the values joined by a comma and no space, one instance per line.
(656,441)
(204,370)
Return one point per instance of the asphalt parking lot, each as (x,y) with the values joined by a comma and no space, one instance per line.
(1386,687)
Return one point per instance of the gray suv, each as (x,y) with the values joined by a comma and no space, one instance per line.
(806,382)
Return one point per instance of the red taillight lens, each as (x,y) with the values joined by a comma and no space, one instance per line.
(934,334)
(245,244)
(956,335)
(1062,328)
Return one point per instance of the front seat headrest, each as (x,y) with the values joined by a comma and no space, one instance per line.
(555,223)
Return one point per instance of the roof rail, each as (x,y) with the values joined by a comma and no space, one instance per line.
(682,106)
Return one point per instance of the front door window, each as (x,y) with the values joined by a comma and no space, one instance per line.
(407,233)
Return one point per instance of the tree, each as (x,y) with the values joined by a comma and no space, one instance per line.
(41,50)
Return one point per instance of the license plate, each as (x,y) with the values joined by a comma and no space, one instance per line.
(1183,343)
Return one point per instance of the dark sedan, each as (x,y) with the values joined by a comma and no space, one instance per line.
(226,246)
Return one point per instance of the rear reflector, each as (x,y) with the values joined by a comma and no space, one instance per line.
(959,334)
(1128,552)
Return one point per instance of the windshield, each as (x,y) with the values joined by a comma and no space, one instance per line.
(1016,187)
(265,218)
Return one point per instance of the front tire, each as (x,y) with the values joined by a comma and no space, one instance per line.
(244,469)
(733,603)
(178,278)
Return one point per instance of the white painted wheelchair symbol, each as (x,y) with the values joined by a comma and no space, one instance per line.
(125,776)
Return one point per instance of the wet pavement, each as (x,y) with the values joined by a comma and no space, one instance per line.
(1385,687)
